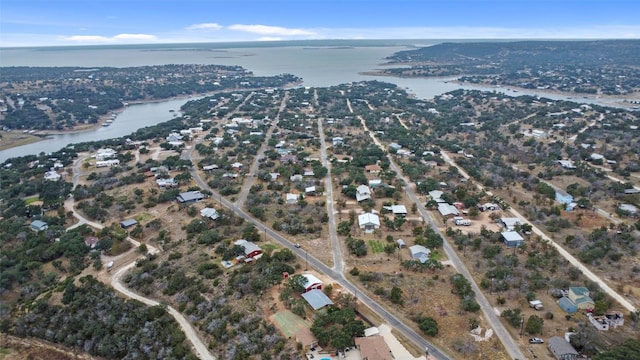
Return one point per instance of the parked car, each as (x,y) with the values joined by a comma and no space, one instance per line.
(536,341)
(297,245)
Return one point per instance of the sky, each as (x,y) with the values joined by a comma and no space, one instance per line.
(100,22)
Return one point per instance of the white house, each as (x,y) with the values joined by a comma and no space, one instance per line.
(419,252)
(210,213)
(397,210)
(363,193)
(368,222)
(51,176)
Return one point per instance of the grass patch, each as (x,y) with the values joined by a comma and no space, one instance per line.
(31,200)
(141,217)
(376,246)
(270,247)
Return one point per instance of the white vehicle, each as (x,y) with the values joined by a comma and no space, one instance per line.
(536,304)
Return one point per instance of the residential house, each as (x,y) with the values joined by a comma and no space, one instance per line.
(107,163)
(251,250)
(125,224)
(567,164)
(317,299)
(368,222)
(631,191)
(631,209)
(447,210)
(91,241)
(510,223)
(363,193)
(308,172)
(567,305)
(562,349)
(419,252)
(166,183)
(296,177)
(310,190)
(236,166)
(373,348)
(436,195)
(512,238)
(563,197)
(397,210)
(288,158)
(337,141)
(274,176)
(291,198)
(105,154)
(488,207)
(52,176)
(595,156)
(372,169)
(580,297)
(375,183)
(210,213)
(190,197)
(210,167)
(311,283)
(39,225)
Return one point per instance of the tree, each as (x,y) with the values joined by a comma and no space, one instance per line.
(429,326)
(534,324)
(396,296)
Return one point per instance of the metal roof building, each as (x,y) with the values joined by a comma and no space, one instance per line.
(317,299)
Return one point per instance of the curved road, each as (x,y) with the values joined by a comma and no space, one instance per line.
(199,347)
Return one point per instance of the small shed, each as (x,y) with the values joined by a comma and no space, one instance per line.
(512,238)
(401,244)
(567,305)
(125,224)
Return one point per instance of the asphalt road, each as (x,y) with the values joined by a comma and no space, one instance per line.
(575,262)
(511,346)
(336,276)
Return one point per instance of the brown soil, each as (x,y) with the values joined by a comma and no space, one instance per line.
(34,349)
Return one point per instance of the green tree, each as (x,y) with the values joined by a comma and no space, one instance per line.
(429,326)
(396,296)
(534,324)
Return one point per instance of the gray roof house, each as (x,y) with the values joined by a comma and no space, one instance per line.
(39,225)
(561,349)
(512,238)
(190,197)
(317,299)
(420,252)
(128,223)
(210,213)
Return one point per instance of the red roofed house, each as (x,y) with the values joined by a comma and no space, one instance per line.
(251,250)
(312,282)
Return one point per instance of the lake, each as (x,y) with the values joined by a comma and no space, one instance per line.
(318,63)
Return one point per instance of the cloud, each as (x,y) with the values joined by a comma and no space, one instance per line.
(271,30)
(120,38)
(205,26)
(269,38)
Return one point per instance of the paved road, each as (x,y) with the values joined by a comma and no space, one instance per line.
(575,262)
(511,346)
(335,276)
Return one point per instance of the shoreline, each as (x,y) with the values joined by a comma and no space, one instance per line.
(42,135)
